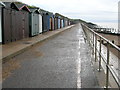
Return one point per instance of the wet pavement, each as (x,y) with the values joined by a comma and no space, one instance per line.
(63,61)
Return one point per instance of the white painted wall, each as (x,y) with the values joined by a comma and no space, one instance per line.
(40,23)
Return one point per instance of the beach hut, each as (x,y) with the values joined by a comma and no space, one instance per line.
(61,23)
(34,21)
(55,22)
(15,22)
(68,22)
(51,21)
(58,21)
(46,22)
(22,18)
(65,22)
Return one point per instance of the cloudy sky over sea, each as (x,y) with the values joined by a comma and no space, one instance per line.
(103,12)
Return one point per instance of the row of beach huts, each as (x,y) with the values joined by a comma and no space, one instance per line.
(19,21)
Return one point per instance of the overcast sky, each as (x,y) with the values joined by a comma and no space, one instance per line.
(89,10)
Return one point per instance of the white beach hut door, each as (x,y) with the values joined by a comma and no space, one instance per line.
(40,24)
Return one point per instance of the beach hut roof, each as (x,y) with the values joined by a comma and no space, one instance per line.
(46,12)
(2,4)
(19,6)
(35,10)
(7,4)
(57,14)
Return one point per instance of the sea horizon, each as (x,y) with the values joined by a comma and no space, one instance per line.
(108,24)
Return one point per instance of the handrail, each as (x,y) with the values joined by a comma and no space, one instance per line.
(106,61)
(107,30)
(103,38)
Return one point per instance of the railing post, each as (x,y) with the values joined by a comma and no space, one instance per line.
(91,38)
(88,36)
(107,69)
(100,55)
(93,44)
(95,47)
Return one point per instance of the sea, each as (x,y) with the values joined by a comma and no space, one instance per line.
(108,25)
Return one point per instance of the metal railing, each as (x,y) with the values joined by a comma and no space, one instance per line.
(92,37)
(108,30)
